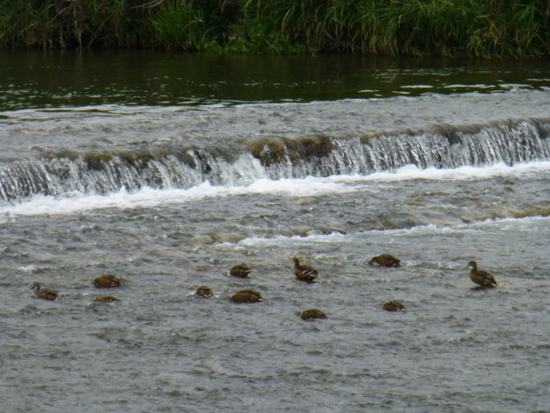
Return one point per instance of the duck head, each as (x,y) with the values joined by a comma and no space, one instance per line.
(472,265)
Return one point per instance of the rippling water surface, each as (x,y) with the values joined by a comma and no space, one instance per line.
(169,192)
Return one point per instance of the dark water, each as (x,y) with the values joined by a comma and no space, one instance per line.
(167,169)
(71,79)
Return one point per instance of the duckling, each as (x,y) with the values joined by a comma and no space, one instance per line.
(241,271)
(106,299)
(393,306)
(312,313)
(247,296)
(204,291)
(480,277)
(44,293)
(385,260)
(304,272)
(107,281)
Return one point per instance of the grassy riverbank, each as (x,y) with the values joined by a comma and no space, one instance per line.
(478,28)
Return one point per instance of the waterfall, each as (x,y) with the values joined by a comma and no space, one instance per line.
(444,146)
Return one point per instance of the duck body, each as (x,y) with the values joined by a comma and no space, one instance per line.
(106,299)
(312,313)
(241,271)
(107,281)
(480,277)
(393,306)
(304,272)
(44,293)
(247,296)
(386,260)
(204,291)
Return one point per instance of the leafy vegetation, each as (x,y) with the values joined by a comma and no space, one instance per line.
(479,28)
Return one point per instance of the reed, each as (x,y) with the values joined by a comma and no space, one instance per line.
(478,28)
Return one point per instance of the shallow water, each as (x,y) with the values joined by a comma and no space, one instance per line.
(67,217)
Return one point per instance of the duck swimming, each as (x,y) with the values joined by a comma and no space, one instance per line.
(44,293)
(241,271)
(204,291)
(393,306)
(106,299)
(480,277)
(304,272)
(312,313)
(386,260)
(247,296)
(107,281)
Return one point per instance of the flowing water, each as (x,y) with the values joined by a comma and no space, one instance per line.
(168,169)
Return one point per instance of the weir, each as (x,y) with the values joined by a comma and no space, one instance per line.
(442,146)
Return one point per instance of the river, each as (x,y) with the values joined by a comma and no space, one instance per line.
(167,169)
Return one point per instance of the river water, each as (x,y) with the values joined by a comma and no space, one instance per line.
(168,169)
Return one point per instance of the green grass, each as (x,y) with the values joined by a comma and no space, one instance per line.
(477,28)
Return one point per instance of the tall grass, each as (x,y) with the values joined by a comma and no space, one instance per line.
(480,28)
(73,23)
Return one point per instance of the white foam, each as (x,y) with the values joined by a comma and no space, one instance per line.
(410,172)
(498,224)
(417,86)
(513,224)
(335,237)
(306,187)
(149,197)
(476,86)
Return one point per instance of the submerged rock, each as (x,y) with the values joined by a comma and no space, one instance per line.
(302,149)
(202,239)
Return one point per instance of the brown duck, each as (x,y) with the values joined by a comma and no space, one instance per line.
(44,293)
(480,277)
(393,306)
(204,291)
(107,281)
(247,296)
(304,272)
(385,260)
(312,313)
(240,271)
(106,299)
